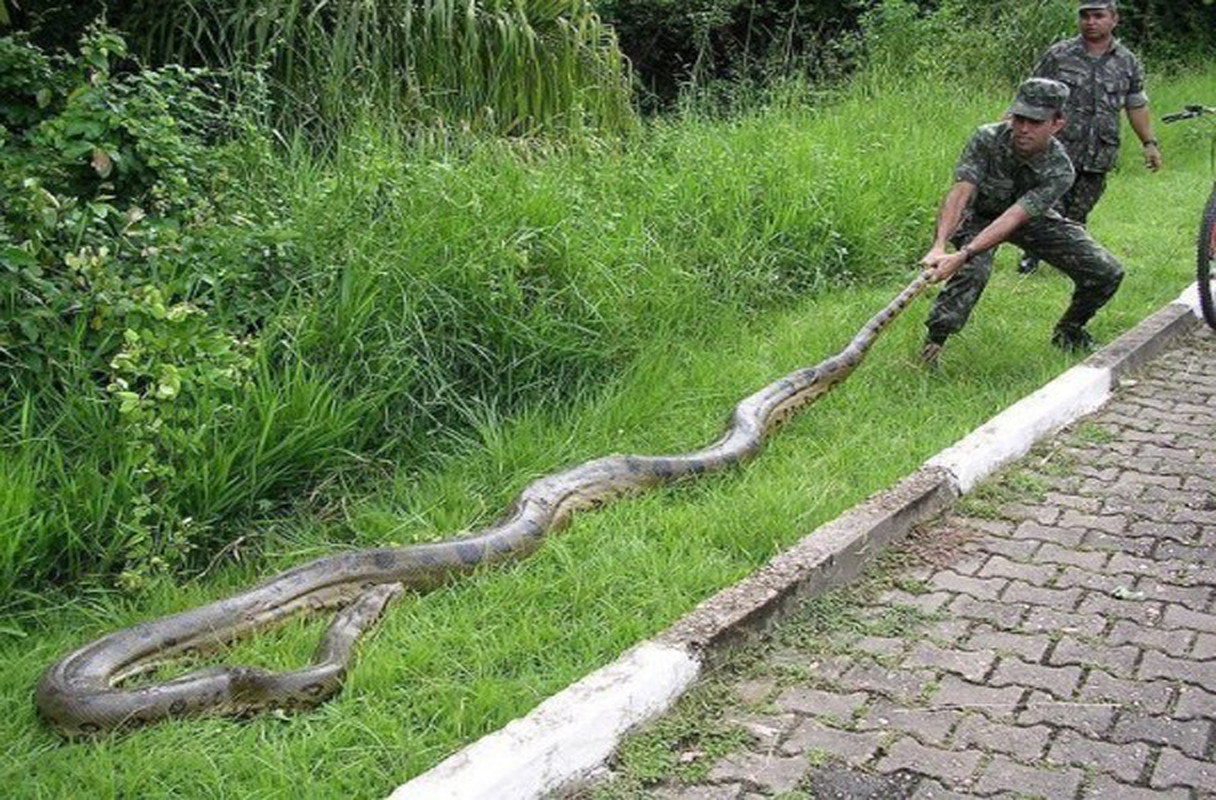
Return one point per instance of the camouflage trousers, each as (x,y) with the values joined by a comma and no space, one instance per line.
(1064,244)
(1085,193)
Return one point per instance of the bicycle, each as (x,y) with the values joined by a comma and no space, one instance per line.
(1205,249)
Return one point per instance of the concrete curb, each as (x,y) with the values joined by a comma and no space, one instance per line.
(563,740)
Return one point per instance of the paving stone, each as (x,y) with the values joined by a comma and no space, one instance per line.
(1123,761)
(1182,532)
(908,755)
(810,736)
(769,772)
(1145,612)
(957,693)
(971,664)
(1004,775)
(1093,719)
(1175,769)
(1086,505)
(1048,620)
(1172,642)
(1060,682)
(1149,479)
(765,730)
(979,588)
(1029,648)
(1001,567)
(1023,743)
(1006,616)
(880,646)
(1062,599)
(1051,553)
(1106,788)
(1159,665)
(1136,565)
(1171,496)
(948,631)
(1041,513)
(1013,549)
(731,791)
(1119,661)
(901,685)
(834,783)
(814,702)
(1151,698)
(968,563)
(1190,736)
(1179,552)
(1111,543)
(985,527)
(1131,506)
(932,790)
(1114,524)
(1102,474)
(1075,577)
(1195,703)
(1179,617)
(929,603)
(931,726)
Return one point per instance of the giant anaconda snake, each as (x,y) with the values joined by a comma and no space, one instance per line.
(82,694)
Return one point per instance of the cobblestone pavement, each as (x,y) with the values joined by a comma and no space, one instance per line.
(1053,636)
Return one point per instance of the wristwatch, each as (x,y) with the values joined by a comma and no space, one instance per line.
(1152,143)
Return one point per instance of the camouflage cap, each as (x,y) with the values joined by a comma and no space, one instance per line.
(1039,98)
(1093,5)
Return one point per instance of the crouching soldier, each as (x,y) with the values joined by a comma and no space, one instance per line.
(1007,182)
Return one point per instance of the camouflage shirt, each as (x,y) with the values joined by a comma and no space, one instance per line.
(1002,177)
(1102,86)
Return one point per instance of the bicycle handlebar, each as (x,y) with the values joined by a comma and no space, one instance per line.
(1188,112)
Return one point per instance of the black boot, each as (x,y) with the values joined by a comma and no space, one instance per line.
(1073,339)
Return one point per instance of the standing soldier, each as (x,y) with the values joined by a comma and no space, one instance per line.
(1006,187)
(1104,78)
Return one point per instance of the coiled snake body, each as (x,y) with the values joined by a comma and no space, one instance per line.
(82,693)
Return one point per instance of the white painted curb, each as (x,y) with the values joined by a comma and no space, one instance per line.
(569,734)
(1010,435)
(1190,299)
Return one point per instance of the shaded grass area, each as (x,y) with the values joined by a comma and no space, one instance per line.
(448,667)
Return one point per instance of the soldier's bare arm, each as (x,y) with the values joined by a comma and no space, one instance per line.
(949,218)
(1142,124)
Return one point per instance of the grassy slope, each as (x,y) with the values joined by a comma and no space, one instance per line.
(448,667)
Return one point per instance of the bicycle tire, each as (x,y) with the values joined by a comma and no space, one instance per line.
(1205,262)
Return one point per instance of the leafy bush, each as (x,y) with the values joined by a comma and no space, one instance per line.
(104,174)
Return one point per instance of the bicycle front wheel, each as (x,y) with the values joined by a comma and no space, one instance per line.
(1206,260)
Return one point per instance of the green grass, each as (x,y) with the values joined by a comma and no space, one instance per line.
(448,667)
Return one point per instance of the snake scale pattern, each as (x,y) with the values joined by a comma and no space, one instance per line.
(83,694)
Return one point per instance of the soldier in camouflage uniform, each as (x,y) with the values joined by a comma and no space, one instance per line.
(1105,78)
(1007,184)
